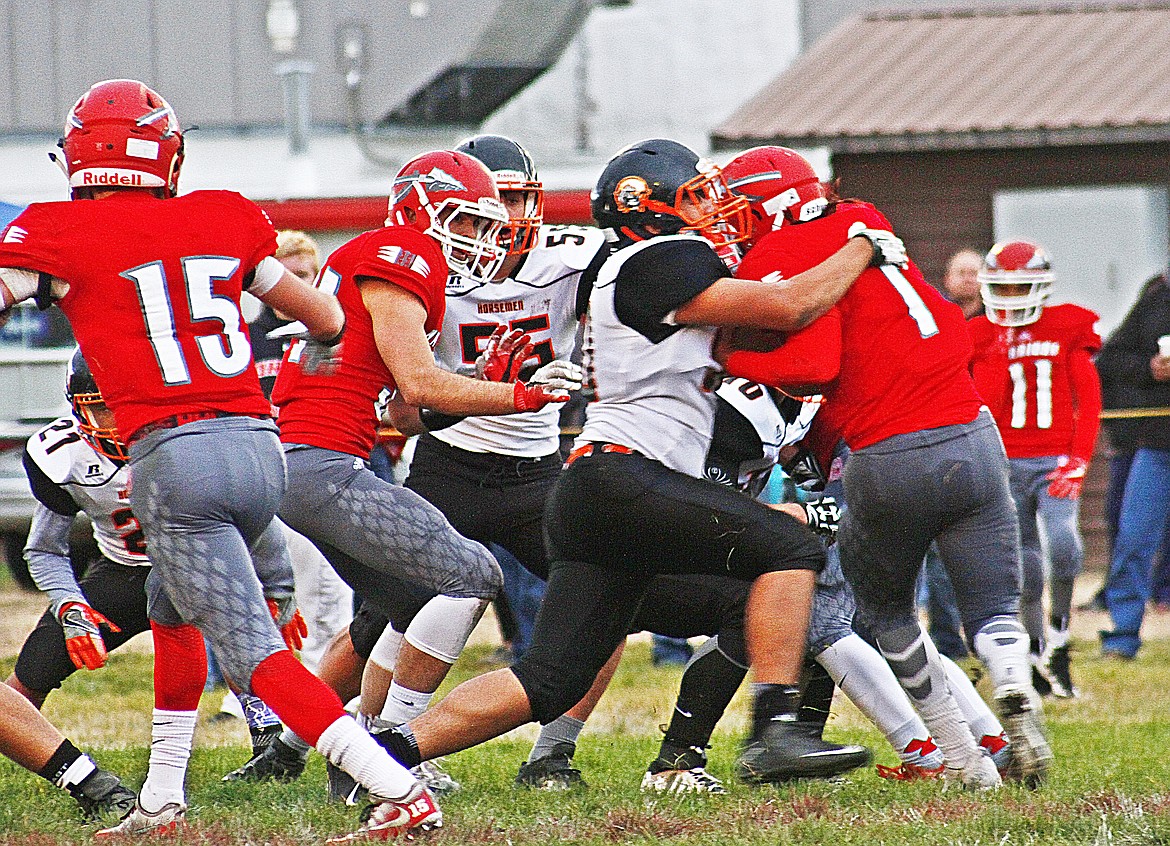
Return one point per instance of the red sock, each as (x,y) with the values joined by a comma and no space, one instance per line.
(180,667)
(303,702)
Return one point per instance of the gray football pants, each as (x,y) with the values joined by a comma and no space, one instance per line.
(205,493)
(948,484)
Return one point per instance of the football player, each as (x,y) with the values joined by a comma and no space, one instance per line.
(151,284)
(633,502)
(1033,365)
(926,461)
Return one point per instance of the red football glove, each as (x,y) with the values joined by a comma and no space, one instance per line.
(293,629)
(504,355)
(83,637)
(1066,480)
(536,397)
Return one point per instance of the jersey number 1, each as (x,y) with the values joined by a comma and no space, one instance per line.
(919,310)
(1020,394)
(226,353)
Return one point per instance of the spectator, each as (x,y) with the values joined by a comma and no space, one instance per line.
(960,285)
(1135,368)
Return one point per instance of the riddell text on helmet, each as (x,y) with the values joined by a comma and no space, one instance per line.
(108,178)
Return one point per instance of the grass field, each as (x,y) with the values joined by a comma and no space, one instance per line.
(1111,784)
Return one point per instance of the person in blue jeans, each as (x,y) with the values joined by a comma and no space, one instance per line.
(1138,355)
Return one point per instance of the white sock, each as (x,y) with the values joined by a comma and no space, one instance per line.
(866,678)
(1002,645)
(980,718)
(345,745)
(171,736)
(403,704)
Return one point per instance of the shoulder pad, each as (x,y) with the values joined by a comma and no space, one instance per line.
(576,246)
(64,456)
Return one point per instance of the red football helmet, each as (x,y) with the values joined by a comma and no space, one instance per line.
(780,186)
(122,134)
(1015,280)
(453,198)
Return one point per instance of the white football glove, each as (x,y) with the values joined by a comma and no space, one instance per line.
(317,357)
(824,517)
(887,247)
(559,375)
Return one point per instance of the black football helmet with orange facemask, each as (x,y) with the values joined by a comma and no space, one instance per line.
(94,419)
(660,187)
(515,173)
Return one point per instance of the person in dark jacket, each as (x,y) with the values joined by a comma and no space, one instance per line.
(1134,365)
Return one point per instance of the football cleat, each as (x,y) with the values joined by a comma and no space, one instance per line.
(436,779)
(1019,711)
(979,773)
(999,749)
(103,796)
(343,787)
(386,819)
(277,762)
(1058,665)
(787,750)
(166,820)
(554,771)
(910,772)
(697,780)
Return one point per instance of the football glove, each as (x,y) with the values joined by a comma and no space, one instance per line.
(535,397)
(83,636)
(559,375)
(317,358)
(288,619)
(1066,480)
(503,356)
(887,247)
(806,471)
(823,516)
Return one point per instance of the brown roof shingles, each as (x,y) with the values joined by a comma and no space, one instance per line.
(997,76)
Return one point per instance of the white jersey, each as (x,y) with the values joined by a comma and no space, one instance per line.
(98,486)
(540,298)
(653,396)
(751,428)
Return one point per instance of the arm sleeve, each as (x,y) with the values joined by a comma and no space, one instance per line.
(811,356)
(1086,387)
(655,281)
(47,554)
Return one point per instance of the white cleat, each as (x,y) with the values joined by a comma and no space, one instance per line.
(166,820)
(697,780)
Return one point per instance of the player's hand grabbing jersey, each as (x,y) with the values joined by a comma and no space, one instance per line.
(1038,380)
(544,297)
(904,348)
(654,378)
(337,411)
(67,475)
(153,293)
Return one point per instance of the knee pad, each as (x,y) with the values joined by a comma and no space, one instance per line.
(552,694)
(443,625)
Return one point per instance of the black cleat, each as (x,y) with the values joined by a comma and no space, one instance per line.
(555,771)
(278,762)
(103,798)
(342,786)
(787,750)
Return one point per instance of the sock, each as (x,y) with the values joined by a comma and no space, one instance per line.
(171,735)
(67,767)
(922,753)
(919,669)
(403,704)
(302,701)
(980,718)
(345,745)
(1058,634)
(293,741)
(770,702)
(709,682)
(673,756)
(816,698)
(1002,644)
(400,743)
(564,729)
(869,682)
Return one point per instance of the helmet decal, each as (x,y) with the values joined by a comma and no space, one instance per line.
(436,180)
(631,194)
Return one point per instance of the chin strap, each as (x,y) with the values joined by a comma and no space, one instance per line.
(44,295)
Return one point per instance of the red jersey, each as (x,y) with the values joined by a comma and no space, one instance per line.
(1040,382)
(154,295)
(904,350)
(336,412)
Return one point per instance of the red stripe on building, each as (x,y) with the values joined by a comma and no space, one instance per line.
(326,214)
